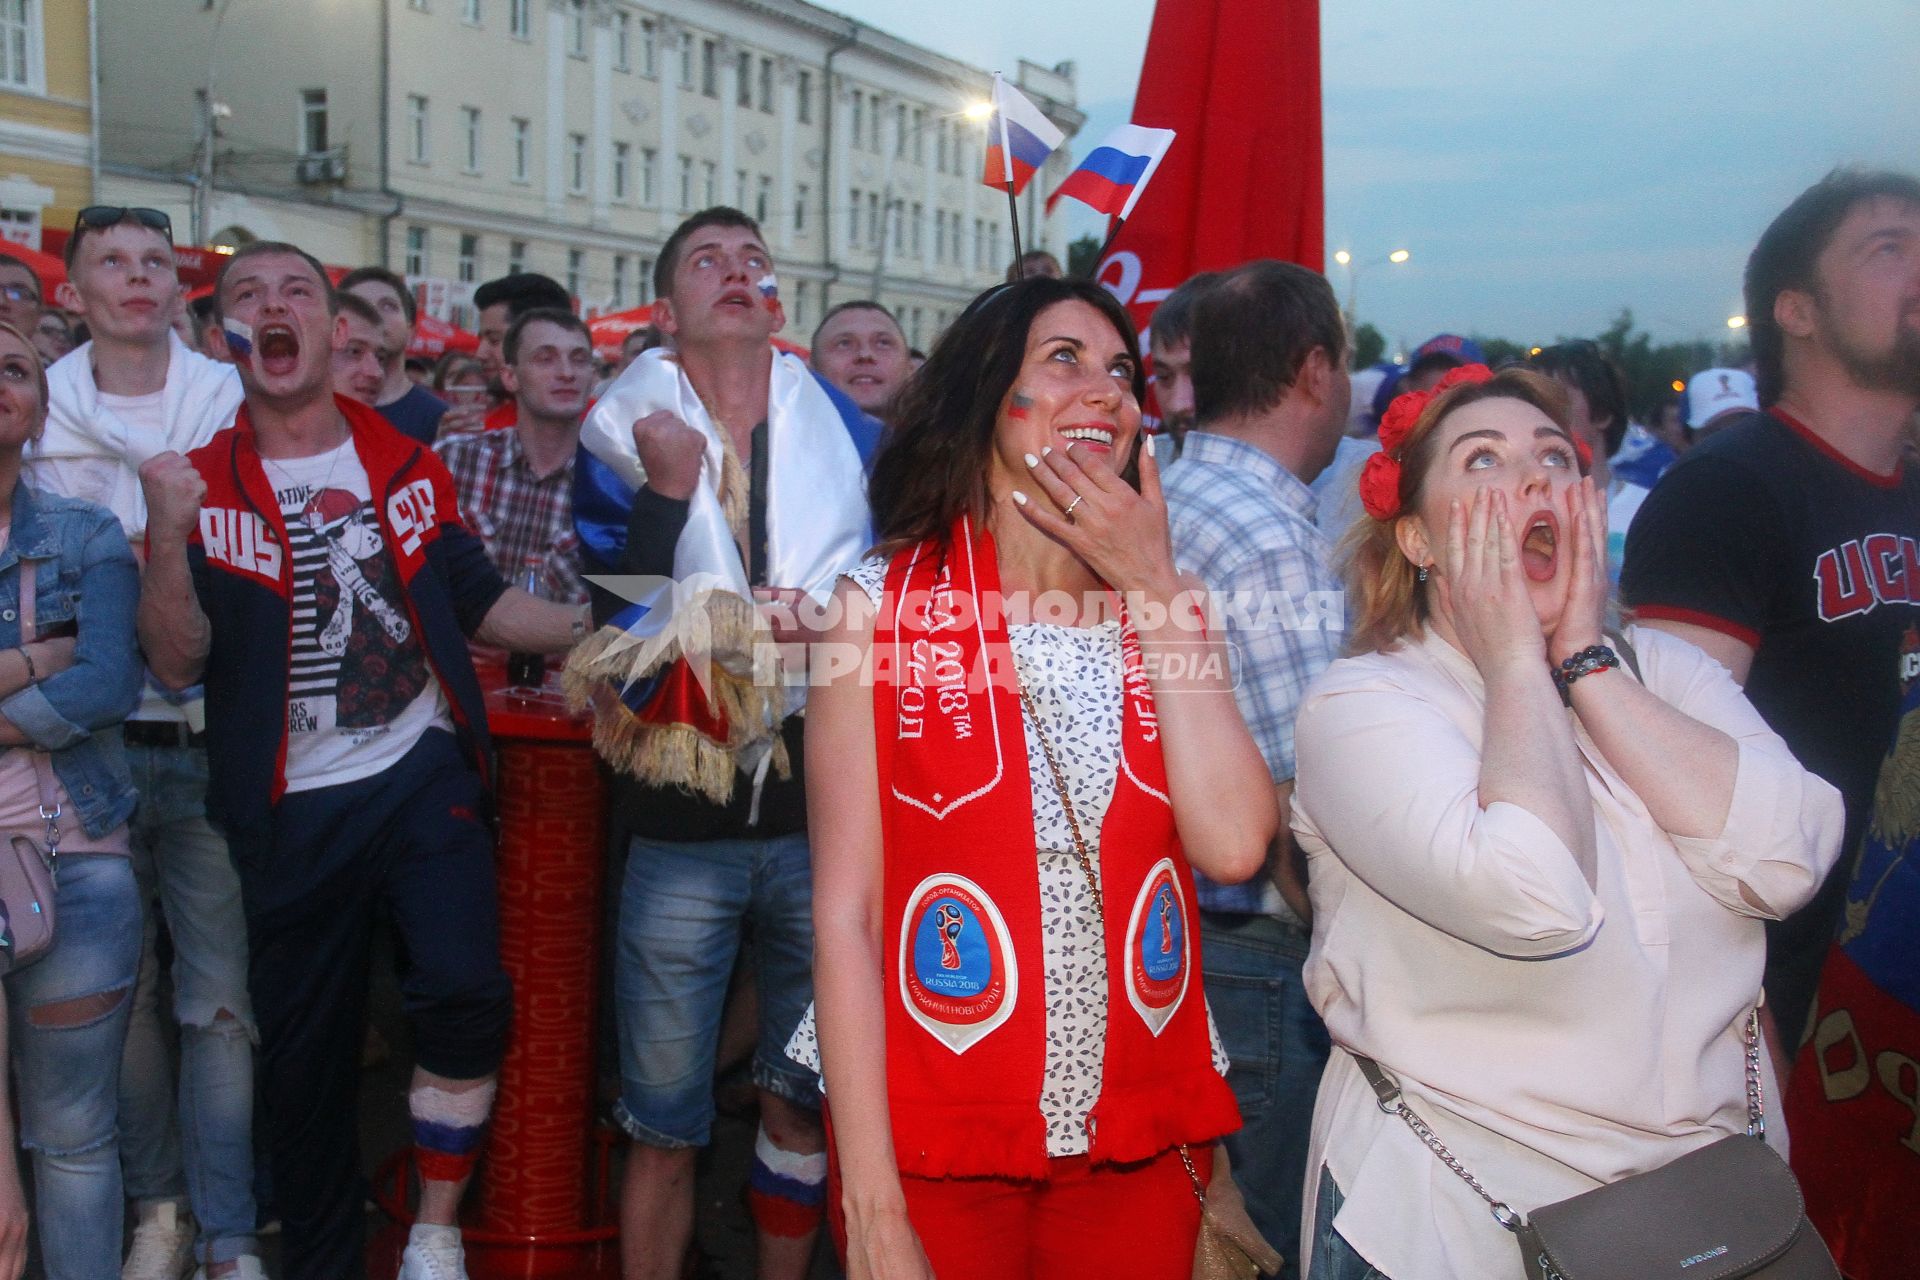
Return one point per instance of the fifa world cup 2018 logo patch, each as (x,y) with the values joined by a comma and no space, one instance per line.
(1157,968)
(950,923)
(1165,905)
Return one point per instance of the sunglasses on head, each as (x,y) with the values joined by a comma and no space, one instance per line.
(99,217)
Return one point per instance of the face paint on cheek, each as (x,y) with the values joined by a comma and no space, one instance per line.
(769,287)
(239,336)
(1020,406)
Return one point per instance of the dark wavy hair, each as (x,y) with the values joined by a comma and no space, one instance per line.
(934,465)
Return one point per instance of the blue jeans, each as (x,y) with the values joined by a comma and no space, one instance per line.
(68,1075)
(1251,965)
(208,1158)
(1333,1258)
(682,909)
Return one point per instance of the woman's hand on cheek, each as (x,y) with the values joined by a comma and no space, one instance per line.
(1486,588)
(1583,615)
(1122,535)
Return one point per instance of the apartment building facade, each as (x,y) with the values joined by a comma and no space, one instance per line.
(457,140)
(46,115)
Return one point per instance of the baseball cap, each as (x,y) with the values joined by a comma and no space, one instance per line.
(1463,350)
(1712,392)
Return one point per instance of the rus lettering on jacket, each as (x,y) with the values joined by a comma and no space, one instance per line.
(240,539)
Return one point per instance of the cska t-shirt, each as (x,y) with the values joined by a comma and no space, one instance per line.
(360,693)
(1765,533)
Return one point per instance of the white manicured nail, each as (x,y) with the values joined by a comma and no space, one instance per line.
(1031,460)
(1149,446)
(1019,497)
(1044,452)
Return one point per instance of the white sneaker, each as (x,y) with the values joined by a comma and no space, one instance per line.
(249,1269)
(162,1245)
(433,1253)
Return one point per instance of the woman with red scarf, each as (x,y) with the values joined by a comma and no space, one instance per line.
(1032,738)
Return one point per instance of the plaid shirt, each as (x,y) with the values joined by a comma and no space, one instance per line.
(1245,524)
(519,515)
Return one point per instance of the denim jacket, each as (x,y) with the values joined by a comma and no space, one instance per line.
(85,572)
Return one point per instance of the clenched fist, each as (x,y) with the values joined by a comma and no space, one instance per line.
(174,492)
(671,452)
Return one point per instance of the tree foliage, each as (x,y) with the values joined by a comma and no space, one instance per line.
(1083,256)
(1369,344)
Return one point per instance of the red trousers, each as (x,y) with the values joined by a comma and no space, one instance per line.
(1086,1222)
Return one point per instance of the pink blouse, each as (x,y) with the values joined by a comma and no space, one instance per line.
(1555,1037)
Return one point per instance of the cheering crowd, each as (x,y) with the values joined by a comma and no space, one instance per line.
(1426,774)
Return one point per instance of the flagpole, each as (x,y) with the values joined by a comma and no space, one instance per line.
(1006,168)
(1108,242)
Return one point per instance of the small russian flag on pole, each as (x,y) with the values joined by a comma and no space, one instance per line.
(1115,174)
(1019,139)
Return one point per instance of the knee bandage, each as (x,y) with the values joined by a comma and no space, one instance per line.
(786,1190)
(447,1128)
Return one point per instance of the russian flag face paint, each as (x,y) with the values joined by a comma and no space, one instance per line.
(239,336)
(769,287)
(1020,406)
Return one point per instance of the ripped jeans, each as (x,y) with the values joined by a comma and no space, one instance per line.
(68,1073)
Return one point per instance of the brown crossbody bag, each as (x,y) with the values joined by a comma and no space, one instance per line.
(28,869)
(1730,1209)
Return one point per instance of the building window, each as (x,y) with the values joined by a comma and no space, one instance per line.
(649,47)
(743,80)
(619,281)
(522,148)
(709,68)
(913,329)
(520,19)
(979,241)
(622,161)
(709,184)
(623,41)
(686,183)
(516,257)
(859,115)
(468,268)
(803,96)
(416,128)
(763,199)
(19,43)
(853,221)
(800,194)
(470,12)
(576,267)
(646,281)
(940,146)
(873,125)
(649,174)
(919,135)
(873,217)
(577,28)
(740,189)
(470,132)
(313,117)
(900,129)
(939,236)
(919,221)
(577,163)
(766,85)
(800,292)
(686,59)
(416,251)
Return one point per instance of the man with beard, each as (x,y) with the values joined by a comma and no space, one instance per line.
(310,565)
(1785,545)
(1170,344)
(859,348)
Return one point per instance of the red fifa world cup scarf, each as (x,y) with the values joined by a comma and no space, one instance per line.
(961,938)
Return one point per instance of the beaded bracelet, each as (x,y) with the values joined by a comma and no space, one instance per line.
(1595,657)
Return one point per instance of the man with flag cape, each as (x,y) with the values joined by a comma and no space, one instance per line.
(711,477)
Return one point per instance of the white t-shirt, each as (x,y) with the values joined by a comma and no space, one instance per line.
(93,479)
(361,692)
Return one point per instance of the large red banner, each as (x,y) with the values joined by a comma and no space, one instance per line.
(1239,80)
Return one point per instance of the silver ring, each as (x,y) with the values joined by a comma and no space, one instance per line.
(1068,513)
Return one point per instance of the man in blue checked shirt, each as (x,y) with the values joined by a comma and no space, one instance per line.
(1270,396)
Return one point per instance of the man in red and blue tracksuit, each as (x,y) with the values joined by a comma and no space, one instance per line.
(310,565)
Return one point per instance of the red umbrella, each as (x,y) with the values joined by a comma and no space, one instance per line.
(434,338)
(610,330)
(51,271)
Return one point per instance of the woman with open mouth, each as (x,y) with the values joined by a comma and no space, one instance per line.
(1539,855)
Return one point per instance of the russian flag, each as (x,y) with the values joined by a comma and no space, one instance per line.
(1115,174)
(1019,139)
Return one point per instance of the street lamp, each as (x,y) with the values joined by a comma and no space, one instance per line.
(1736,322)
(1354,269)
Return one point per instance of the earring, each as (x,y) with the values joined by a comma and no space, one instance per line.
(1422,574)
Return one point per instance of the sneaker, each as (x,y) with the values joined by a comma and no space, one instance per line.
(433,1253)
(162,1245)
(249,1269)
